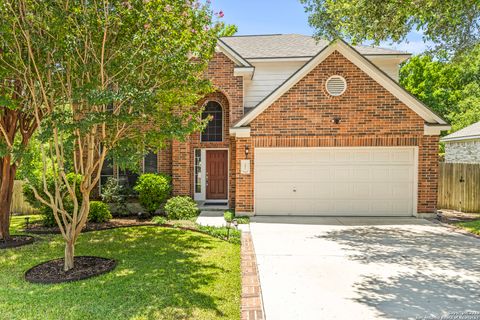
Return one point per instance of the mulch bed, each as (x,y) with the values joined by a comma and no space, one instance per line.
(85,267)
(452,216)
(38,228)
(16,241)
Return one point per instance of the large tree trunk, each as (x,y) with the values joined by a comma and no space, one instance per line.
(7,171)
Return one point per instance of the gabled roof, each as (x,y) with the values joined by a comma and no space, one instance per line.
(360,61)
(467,133)
(232,54)
(290,46)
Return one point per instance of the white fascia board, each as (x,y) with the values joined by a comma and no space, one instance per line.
(232,54)
(435,130)
(446,139)
(360,61)
(243,132)
(244,71)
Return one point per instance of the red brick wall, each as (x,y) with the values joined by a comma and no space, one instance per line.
(230,96)
(165,160)
(370,116)
(428,174)
(244,197)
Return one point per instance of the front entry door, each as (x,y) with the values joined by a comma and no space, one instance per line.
(217,174)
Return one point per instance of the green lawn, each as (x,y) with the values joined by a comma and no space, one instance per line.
(471,226)
(161,274)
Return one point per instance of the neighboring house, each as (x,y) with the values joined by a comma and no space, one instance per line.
(306,128)
(463,146)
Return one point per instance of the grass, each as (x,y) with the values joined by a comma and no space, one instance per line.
(232,235)
(162,273)
(471,226)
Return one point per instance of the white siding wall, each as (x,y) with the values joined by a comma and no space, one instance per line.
(269,75)
(389,66)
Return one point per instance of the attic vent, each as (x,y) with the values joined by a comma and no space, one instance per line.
(336,85)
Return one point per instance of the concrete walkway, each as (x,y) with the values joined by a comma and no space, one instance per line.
(350,268)
(211,218)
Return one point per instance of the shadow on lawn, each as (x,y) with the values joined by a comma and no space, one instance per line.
(443,270)
(161,274)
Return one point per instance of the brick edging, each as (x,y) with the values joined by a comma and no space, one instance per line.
(251,302)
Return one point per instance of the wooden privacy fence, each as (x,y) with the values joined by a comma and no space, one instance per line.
(459,187)
(19,204)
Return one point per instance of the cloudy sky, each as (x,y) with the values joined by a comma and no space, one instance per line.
(285,16)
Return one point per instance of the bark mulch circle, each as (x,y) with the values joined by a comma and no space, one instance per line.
(16,241)
(85,267)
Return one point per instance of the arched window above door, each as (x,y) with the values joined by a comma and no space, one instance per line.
(214,130)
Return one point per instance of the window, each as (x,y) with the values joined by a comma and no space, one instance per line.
(150,163)
(127,178)
(198,171)
(214,130)
(106,172)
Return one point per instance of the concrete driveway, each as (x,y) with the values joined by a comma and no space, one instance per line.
(351,268)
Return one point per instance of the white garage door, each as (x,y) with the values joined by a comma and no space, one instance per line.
(360,181)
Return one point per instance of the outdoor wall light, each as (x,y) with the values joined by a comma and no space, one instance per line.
(247,150)
(336,120)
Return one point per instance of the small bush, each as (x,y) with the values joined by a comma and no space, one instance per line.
(99,212)
(228,216)
(114,195)
(159,220)
(182,207)
(153,190)
(243,220)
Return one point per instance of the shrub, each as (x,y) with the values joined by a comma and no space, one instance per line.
(114,195)
(182,207)
(153,190)
(243,219)
(159,220)
(99,212)
(228,216)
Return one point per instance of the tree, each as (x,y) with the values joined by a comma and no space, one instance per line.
(453,24)
(450,87)
(120,76)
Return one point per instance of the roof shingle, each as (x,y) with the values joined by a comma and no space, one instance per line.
(288,46)
(470,132)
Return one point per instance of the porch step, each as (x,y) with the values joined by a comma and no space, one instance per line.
(211,218)
(202,206)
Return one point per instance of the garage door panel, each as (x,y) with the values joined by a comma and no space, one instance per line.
(275,207)
(335,181)
(268,190)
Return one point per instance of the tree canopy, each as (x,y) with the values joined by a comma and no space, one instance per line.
(450,87)
(110,76)
(453,24)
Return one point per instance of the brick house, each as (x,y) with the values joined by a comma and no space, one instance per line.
(307,128)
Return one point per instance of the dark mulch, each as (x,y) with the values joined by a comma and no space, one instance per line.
(16,241)
(85,267)
(38,228)
(453,216)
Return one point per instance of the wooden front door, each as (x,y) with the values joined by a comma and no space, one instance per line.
(217,174)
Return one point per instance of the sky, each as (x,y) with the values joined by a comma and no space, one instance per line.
(286,16)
